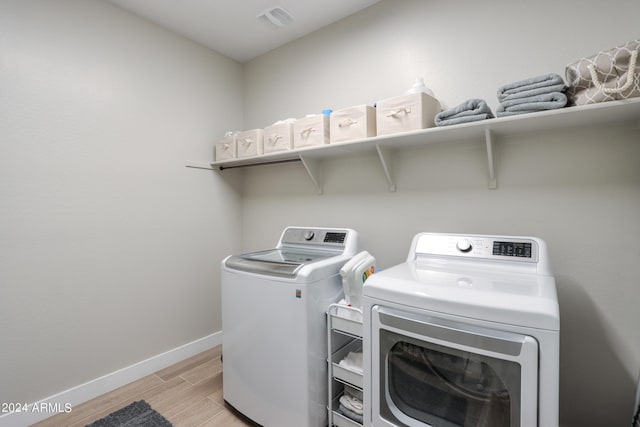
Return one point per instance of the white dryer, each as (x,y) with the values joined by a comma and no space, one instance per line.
(464,333)
(274,339)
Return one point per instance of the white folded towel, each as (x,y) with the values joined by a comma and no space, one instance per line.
(350,391)
(353,361)
(352,404)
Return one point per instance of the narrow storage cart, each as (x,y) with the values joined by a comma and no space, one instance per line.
(344,338)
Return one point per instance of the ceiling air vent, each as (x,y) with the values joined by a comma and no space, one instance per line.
(276,16)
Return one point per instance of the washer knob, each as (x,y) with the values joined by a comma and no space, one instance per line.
(308,235)
(464,245)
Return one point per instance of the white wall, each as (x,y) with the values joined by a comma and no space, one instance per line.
(109,246)
(577,189)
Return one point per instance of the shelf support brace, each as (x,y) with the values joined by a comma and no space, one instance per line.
(313,169)
(488,136)
(204,166)
(384,154)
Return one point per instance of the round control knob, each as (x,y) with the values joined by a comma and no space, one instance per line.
(464,245)
(308,235)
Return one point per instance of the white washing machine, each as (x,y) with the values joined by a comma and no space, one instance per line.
(464,333)
(274,339)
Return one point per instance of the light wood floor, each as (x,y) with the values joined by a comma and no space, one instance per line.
(188,393)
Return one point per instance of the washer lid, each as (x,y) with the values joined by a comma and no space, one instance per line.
(276,262)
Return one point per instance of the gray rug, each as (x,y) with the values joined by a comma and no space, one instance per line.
(138,414)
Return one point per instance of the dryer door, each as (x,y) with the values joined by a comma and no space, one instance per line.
(428,371)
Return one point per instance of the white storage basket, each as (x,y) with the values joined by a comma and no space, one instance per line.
(352,123)
(278,137)
(249,143)
(225,148)
(310,131)
(406,113)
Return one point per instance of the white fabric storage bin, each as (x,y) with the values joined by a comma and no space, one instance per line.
(278,137)
(352,123)
(249,143)
(406,113)
(225,148)
(311,130)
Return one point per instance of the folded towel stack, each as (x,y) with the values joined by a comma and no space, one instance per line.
(353,361)
(351,407)
(471,110)
(544,92)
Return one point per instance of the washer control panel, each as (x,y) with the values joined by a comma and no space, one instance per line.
(315,236)
(473,246)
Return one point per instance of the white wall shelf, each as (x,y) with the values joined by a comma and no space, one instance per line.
(488,131)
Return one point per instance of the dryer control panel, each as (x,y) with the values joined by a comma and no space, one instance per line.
(520,249)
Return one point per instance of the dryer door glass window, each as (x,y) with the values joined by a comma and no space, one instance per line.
(443,386)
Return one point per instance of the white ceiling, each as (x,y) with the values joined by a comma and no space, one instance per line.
(231,27)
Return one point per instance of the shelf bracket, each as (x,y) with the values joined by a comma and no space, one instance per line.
(488,136)
(384,154)
(204,166)
(313,169)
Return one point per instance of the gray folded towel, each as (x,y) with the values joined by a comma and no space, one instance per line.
(545,83)
(549,101)
(350,414)
(471,110)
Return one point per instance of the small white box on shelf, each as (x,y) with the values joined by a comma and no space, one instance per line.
(249,143)
(278,137)
(406,113)
(352,123)
(311,130)
(225,148)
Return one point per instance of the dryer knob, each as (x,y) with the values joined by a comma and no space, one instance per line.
(464,245)
(308,235)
